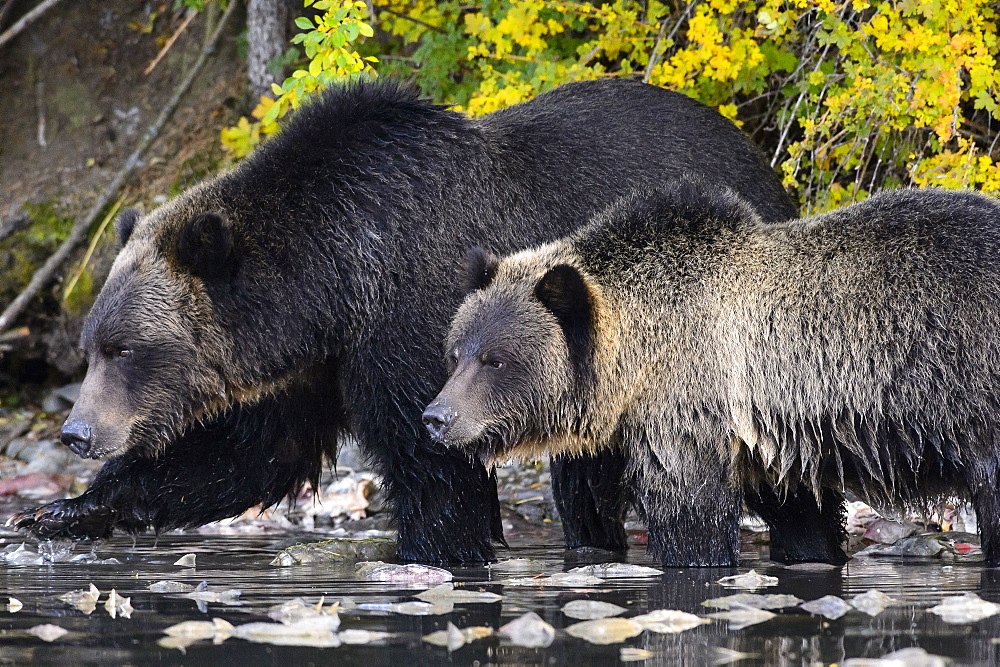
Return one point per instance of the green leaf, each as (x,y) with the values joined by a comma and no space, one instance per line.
(304,23)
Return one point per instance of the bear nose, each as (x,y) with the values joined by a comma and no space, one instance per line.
(437,419)
(77,436)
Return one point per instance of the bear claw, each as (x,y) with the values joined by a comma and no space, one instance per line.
(62,519)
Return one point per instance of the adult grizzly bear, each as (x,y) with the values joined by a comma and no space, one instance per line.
(732,359)
(305,293)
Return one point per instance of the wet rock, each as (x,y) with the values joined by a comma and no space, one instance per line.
(753,600)
(356,637)
(317,632)
(21,554)
(829,606)
(187,560)
(907,657)
(365,568)
(727,656)
(62,398)
(218,630)
(48,632)
(36,484)
(742,617)
(336,551)
(518,565)
(669,621)
(873,602)
(568,579)
(605,630)
(935,545)
(529,631)
(811,567)
(749,580)
(170,587)
(409,574)
(591,609)
(84,600)
(202,595)
(447,592)
(117,606)
(411,608)
(630,654)
(49,457)
(616,571)
(859,516)
(455,638)
(888,531)
(967,608)
(298,609)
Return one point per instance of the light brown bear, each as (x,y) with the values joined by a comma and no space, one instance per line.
(731,358)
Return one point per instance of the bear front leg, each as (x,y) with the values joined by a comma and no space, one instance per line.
(592,498)
(691,508)
(445,505)
(217,471)
(801,530)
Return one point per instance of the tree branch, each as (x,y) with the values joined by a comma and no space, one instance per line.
(79,231)
(27,20)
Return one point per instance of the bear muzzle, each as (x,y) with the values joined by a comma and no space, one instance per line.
(78,436)
(438,420)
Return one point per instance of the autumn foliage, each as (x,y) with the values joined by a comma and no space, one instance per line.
(844,97)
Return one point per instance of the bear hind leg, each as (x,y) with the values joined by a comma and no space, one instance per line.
(985,493)
(801,530)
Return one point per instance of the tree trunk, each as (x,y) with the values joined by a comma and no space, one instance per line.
(265,42)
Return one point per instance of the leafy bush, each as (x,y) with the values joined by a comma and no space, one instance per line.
(845,97)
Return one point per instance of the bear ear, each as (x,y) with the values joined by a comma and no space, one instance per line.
(478,269)
(206,245)
(564,292)
(125,223)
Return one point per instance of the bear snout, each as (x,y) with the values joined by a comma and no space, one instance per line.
(78,436)
(438,419)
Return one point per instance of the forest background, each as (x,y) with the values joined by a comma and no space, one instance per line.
(843,98)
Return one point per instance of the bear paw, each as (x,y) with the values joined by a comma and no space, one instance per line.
(66,519)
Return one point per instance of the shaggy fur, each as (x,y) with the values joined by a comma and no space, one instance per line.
(323,266)
(732,359)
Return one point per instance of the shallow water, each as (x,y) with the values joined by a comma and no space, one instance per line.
(792,638)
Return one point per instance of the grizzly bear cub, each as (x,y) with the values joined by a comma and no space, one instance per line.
(740,361)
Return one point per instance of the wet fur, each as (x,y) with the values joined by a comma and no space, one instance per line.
(341,237)
(775,364)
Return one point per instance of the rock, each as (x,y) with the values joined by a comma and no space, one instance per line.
(669,621)
(829,606)
(529,631)
(591,609)
(967,608)
(605,630)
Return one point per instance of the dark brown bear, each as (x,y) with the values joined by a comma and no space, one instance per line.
(733,359)
(303,295)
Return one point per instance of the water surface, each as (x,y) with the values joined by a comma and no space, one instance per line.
(794,637)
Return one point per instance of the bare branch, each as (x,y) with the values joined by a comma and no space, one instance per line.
(79,231)
(27,20)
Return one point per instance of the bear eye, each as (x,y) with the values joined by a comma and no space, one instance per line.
(124,354)
(493,363)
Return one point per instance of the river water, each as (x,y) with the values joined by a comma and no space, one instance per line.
(793,637)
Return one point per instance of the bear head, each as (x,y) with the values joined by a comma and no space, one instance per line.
(517,353)
(158,357)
